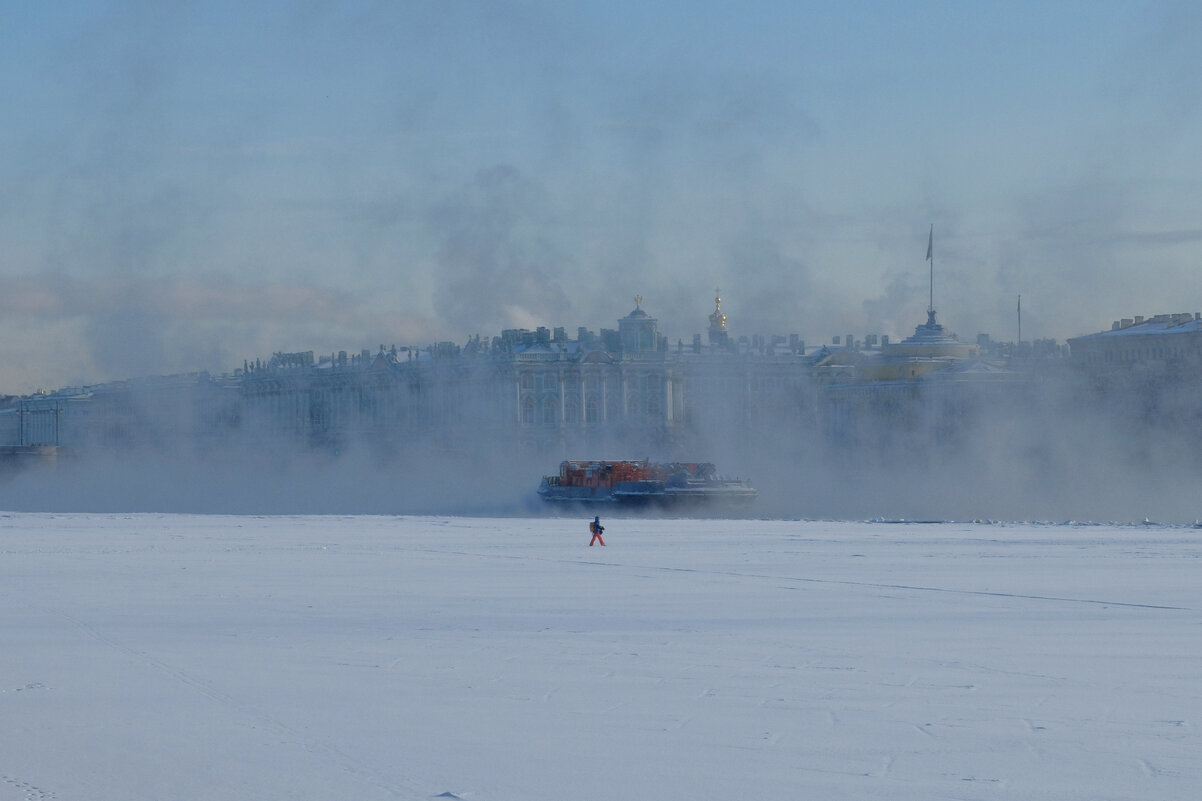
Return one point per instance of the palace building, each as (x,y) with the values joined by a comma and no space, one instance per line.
(622,390)
(540,388)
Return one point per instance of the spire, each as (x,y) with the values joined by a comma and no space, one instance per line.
(717,332)
(931,259)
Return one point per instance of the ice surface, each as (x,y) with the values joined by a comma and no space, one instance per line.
(209,657)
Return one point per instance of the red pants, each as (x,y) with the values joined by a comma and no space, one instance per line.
(596,535)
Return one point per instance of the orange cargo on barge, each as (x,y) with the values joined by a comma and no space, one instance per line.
(642,482)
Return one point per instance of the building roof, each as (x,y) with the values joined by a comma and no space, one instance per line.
(1160,324)
(930,341)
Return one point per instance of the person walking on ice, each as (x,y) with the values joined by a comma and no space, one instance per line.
(596,528)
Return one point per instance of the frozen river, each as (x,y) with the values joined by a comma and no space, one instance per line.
(210,657)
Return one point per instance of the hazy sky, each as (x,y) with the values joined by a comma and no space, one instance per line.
(187,185)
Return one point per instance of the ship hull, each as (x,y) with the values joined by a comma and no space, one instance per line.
(666,500)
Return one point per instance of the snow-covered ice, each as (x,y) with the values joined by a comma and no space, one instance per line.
(211,657)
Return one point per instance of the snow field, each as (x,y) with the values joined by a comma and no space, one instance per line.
(210,657)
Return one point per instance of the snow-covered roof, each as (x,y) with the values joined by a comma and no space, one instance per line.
(977,366)
(570,349)
(1158,325)
(975,369)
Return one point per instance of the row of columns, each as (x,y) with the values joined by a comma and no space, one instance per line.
(561,396)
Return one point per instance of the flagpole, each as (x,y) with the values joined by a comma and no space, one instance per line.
(1020,321)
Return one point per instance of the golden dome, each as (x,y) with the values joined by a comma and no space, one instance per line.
(717,319)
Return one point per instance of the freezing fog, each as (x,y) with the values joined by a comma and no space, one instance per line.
(503,659)
(1044,449)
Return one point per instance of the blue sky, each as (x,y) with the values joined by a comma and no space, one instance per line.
(184,186)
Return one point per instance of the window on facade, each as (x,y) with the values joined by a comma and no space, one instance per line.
(528,411)
(550,411)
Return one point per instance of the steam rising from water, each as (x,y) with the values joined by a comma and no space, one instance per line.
(1046,453)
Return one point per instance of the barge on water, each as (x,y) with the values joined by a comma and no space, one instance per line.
(644,483)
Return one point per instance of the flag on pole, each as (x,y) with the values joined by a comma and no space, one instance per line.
(931,243)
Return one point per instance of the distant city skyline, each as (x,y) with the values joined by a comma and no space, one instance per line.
(187,186)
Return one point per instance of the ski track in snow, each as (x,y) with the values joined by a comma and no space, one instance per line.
(809,580)
(15,788)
